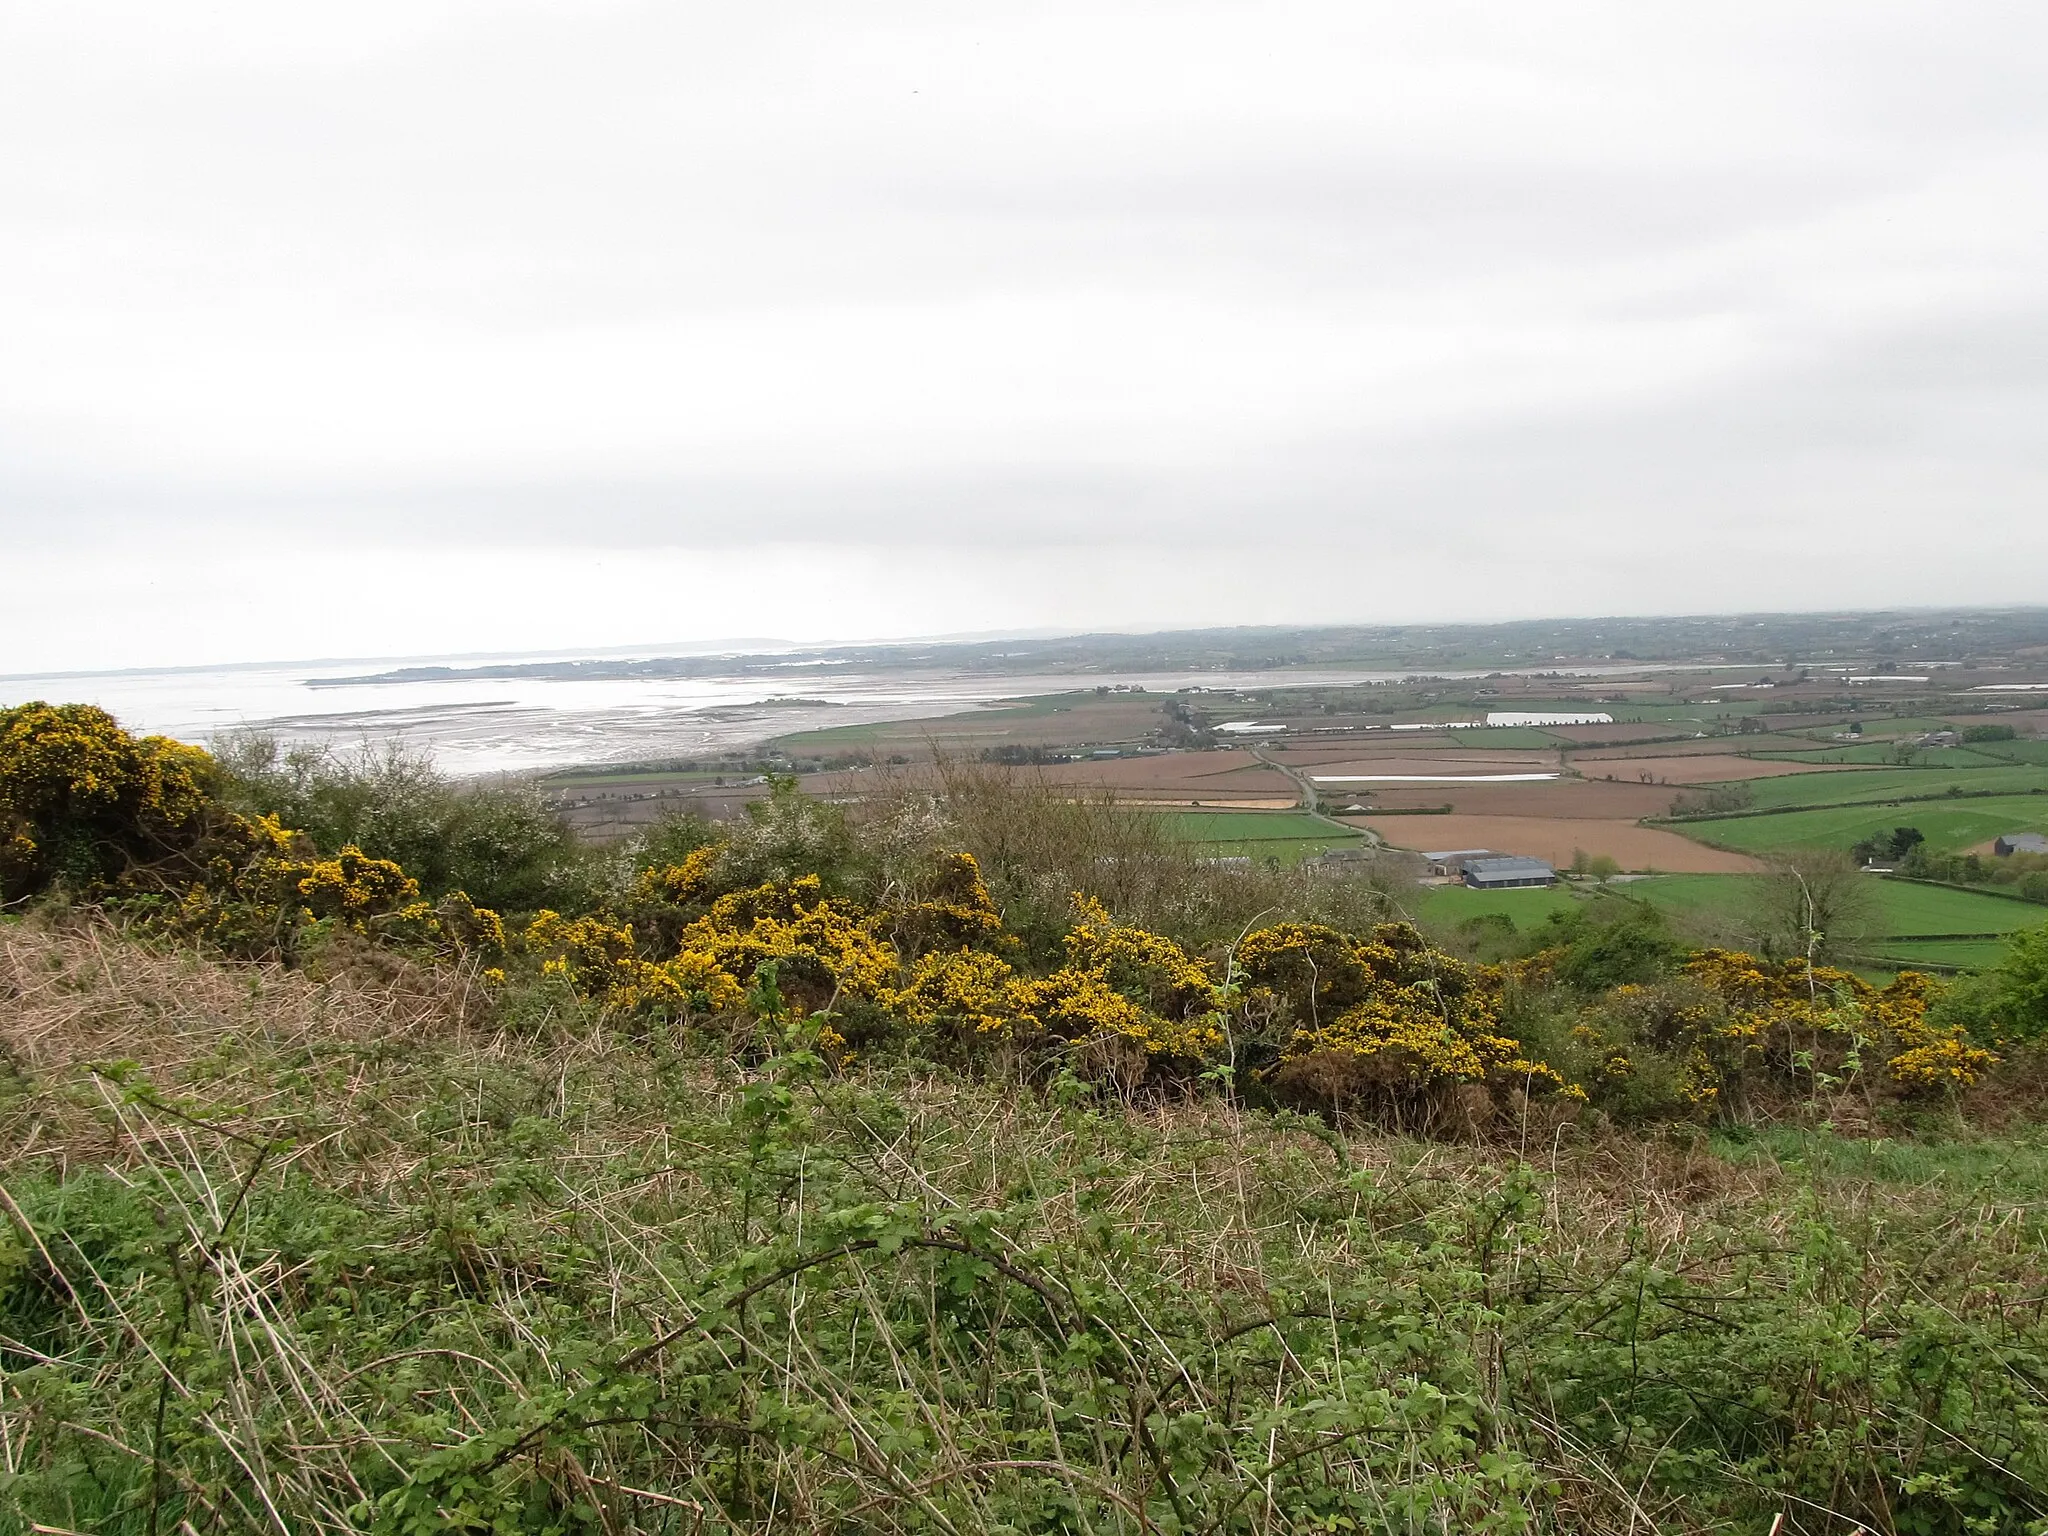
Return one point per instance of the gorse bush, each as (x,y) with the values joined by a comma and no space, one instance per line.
(362,1260)
(899,939)
(1608,943)
(82,801)
(973,1161)
(499,844)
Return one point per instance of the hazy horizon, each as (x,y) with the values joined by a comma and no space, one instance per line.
(731,645)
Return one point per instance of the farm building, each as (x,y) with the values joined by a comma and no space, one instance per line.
(1507,873)
(2020,842)
(1451,861)
(1351,854)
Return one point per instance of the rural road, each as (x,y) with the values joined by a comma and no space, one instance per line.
(1309,803)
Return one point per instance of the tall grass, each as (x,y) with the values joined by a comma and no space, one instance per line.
(295,1254)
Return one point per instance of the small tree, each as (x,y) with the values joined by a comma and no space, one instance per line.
(1816,903)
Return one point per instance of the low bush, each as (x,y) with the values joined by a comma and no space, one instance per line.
(780,1181)
(498,843)
(317,1255)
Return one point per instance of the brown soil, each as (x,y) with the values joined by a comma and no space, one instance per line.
(1223,775)
(1459,763)
(1642,849)
(1694,768)
(1558,800)
(1701,746)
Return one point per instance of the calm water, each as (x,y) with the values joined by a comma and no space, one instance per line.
(483,725)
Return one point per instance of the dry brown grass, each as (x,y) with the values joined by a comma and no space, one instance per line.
(383,1087)
(84,1003)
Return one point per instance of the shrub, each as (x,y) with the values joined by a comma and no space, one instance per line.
(1608,943)
(83,803)
(2008,1003)
(1403,1032)
(500,843)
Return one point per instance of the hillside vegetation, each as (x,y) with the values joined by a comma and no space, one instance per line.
(981,1161)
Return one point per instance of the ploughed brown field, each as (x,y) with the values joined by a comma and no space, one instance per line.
(1696,768)
(1230,776)
(1561,799)
(1704,746)
(1453,763)
(1435,746)
(1555,840)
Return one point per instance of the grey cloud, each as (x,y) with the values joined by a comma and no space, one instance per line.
(1609,285)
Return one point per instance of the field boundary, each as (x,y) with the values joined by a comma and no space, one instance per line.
(1974,890)
(1841,805)
(1940,938)
(1906,963)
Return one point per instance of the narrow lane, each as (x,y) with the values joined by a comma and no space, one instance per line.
(1310,801)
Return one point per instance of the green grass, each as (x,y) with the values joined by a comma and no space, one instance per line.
(2014,751)
(909,1304)
(1902,906)
(1682,714)
(1902,909)
(1906,725)
(1445,906)
(1286,836)
(1904,913)
(1880,754)
(323,1258)
(1693,895)
(1963,954)
(1251,827)
(1888,783)
(1906,908)
(1790,747)
(2010,1169)
(1511,737)
(1949,826)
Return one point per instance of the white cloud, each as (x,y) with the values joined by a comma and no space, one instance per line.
(492,311)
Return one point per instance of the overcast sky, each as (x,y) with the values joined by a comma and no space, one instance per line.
(425,326)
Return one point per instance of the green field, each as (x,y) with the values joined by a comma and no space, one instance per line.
(1871,784)
(1513,737)
(1906,908)
(1288,836)
(1693,895)
(1903,908)
(1963,954)
(1445,906)
(1949,826)
(1787,747)
(1694,713)
(1878,754)
(2014,751)
(1909,920)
